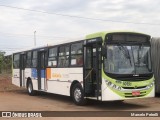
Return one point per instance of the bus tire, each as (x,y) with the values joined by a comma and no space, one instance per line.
(78,95)
(30,89)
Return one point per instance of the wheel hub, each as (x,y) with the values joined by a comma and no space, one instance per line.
(77,94)
(30,88)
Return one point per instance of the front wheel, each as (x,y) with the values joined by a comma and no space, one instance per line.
(30,89)
(78,95)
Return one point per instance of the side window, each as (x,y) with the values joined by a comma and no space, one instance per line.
(16,59)
(63,60)
(76,54)
(28,61)
(34,59)
(89,58)
(52,57)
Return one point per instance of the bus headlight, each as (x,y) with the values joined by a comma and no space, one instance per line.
(119,88)
(151,85)
(113,86)
(109,84)
(116,87)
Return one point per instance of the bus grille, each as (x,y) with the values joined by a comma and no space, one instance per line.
(134,87)
(129,95)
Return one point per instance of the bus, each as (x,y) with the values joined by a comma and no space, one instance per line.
(155,55)
(104,66)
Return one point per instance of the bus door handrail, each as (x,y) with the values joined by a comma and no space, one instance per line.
(88,74)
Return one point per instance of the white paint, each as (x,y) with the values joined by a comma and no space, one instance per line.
(152,93)
(35,84)
(62,88)
(28,72)
(108,94)
(16,77)
(61,85)
(43,83)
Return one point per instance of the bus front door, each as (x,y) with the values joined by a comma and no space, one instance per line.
(41,70)
(22,70)
(92,70)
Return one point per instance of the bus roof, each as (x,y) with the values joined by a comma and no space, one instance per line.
(103,34)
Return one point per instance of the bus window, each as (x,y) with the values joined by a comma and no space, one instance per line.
(16,61)
(76,54)
(34,59)
(52,57)
(63,60)
(28,61)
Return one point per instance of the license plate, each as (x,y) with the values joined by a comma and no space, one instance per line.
(135,93)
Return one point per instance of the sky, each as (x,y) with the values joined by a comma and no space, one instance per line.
(54,20)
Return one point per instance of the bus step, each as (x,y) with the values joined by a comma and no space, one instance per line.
(99,94)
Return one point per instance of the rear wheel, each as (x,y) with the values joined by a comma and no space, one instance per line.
(78,95)
(30,88)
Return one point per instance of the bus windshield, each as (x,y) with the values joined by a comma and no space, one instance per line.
(127,59)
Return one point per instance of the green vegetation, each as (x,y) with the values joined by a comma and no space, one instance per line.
(5,63)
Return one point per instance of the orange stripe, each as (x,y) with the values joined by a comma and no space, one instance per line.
(48,73)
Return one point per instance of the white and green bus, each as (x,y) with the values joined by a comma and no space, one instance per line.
(105,66)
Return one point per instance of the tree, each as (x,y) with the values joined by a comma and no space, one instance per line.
(1,60)
(5,62)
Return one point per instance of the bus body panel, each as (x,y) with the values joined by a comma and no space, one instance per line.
(16,77)
(109,93)
(59,80)
(28,74)
(35,84)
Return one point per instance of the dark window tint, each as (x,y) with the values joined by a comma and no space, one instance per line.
(28,61)
(34,59)
(16,60)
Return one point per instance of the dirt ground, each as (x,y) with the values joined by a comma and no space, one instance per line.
(13,98)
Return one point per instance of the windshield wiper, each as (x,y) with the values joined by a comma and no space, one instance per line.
(139,55)
(125,52)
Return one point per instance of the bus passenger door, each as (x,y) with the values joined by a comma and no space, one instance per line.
(92,68)
(22,70)
(41,70)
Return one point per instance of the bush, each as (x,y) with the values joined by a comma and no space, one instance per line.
(5,63)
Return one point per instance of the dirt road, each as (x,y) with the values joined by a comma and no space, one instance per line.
(51,102)
(13,98)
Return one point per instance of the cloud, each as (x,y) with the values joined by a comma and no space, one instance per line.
(54,28)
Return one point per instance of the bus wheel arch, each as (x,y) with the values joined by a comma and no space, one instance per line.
(77,93)
(29,85)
